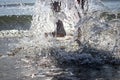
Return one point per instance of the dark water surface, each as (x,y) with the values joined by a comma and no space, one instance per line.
(13,22)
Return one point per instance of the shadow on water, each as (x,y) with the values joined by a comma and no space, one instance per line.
(22,22)
(90,64)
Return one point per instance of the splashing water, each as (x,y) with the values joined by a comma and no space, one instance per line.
(95,31)
(92,38)
(45,18)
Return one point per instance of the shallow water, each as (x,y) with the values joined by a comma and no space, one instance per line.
(22,64)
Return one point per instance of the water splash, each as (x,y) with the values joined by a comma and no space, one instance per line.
(95,30)
(99,38)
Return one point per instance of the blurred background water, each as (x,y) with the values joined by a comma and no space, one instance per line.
(16,7)
(25,7)
(17,14)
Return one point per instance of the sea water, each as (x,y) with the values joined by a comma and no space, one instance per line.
(38,57)
(14,9)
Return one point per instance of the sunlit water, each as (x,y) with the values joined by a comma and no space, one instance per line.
(16,7)
(32,56)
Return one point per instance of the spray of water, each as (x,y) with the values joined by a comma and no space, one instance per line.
(83,25)
(85,28)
